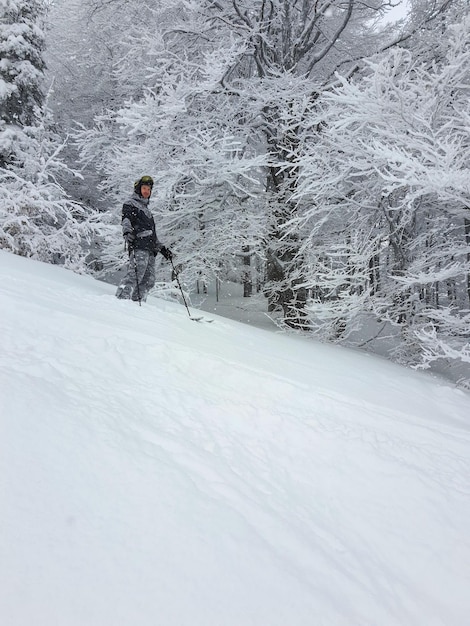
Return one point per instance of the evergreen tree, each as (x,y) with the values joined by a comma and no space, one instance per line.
(21,71)
(36,217)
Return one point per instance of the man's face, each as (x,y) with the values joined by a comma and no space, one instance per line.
(145,191)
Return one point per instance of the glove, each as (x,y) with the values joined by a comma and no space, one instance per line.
(129,238)
(167,253)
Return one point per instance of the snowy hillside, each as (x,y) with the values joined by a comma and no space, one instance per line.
(159,472)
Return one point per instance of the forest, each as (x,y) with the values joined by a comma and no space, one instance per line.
(312,151)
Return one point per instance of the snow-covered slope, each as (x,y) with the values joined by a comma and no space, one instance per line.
(156,471)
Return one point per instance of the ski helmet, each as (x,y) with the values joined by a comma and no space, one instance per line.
(144,180)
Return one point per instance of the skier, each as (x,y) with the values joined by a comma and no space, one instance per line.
(138,230)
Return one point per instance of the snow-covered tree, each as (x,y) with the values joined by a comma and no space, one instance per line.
(85,41)
(36,217)
(225,83)
(21,70)
(245,73)
(183,133)
(385,193)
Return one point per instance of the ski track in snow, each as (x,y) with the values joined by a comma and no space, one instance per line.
(299,464)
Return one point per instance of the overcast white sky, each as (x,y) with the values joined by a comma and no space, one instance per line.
(398,12)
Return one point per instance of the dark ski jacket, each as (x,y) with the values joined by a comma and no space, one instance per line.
(138,219)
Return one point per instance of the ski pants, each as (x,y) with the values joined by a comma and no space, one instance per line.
(140,276)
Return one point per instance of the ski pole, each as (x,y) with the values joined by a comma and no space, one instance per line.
(179,285)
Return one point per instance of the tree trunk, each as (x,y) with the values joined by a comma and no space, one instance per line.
(467,239)
(247,277)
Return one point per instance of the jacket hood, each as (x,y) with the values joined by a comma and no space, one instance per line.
(140,203)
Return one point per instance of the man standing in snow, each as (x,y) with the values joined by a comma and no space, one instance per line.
(138,229)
